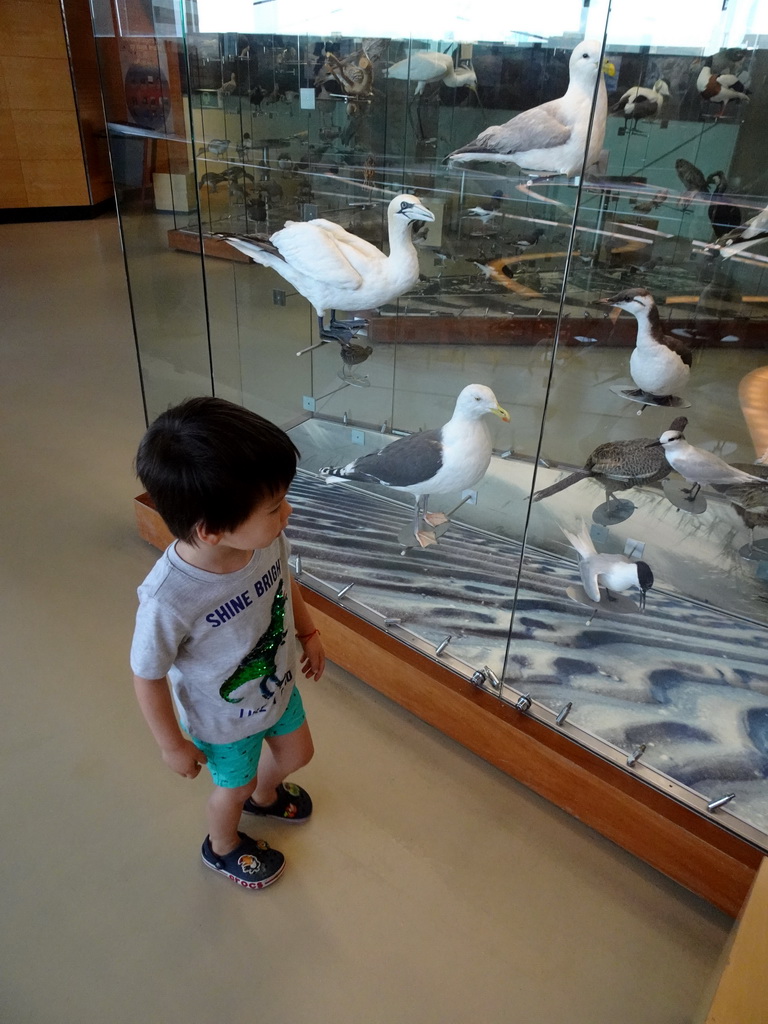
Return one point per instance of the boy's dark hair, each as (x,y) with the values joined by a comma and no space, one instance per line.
(209,461)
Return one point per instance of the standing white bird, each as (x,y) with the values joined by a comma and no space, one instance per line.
(616,573)
(335,269)
(639,103)
(425,66)
(451,458)
(699,466)
(745,236)
(660,364)
(551,138)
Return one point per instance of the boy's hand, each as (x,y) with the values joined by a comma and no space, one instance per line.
(186,759)
(313,656)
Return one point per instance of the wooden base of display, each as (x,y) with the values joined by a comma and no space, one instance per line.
(693,850)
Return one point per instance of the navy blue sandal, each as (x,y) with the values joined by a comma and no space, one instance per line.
(293,804)
(253,864)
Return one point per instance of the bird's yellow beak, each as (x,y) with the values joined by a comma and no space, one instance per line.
(502,413)
(609,68)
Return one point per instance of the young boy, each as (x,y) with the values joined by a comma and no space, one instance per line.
(222,623)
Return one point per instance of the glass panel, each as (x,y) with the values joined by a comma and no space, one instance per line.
(234,119)
(684,684)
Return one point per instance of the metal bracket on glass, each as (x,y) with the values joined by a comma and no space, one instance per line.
(344,591)
(713,805)
(563,713)
(389,623)
(384,429)
(308,403)
(635,756)
(523,702)
(278,297)
(484,675)
(297,566)
(442,645)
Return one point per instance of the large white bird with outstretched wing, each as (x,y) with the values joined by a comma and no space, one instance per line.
(335,269)
(553,137)
(425,66)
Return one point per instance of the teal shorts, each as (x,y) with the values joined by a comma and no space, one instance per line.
(235,764)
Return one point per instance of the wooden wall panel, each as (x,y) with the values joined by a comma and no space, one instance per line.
(45,158)
(31,29)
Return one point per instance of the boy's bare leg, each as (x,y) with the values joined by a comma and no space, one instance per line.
(280,757)
(224,809)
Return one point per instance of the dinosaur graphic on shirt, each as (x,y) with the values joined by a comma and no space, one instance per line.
(260,661)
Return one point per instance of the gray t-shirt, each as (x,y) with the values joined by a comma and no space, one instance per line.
(226,641)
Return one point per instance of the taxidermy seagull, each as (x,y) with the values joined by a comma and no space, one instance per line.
(743,237)
(699,466)
(639,103)
(451,458)
(425,66)
(335,269)
(660,364)
(619,465)
(616,573)
(552,137)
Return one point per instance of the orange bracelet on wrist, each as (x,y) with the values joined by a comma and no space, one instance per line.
(301,637)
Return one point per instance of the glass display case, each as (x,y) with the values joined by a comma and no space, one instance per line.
(609,289)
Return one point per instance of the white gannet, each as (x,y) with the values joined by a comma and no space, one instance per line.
(660,364)
(452,458)
(552,137)
(639,103)
(699,466)
(425,66)
(616,573)
(335,269)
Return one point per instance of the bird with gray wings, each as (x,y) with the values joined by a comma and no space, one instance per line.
(553,137)
(619,465)
(698,466)
(452,458)
(615,573)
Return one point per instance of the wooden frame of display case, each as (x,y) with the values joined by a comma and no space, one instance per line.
(693,850)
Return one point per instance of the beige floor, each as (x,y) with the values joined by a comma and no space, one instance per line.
(429,888)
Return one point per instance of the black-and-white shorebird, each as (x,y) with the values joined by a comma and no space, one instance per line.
(615,573)
(723,215)
(743,237)
(553,137)
(489,209)
(335,269)
(618,466)
(526,242)
(698,466)
(639,103)
(452,458)
(660,364)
